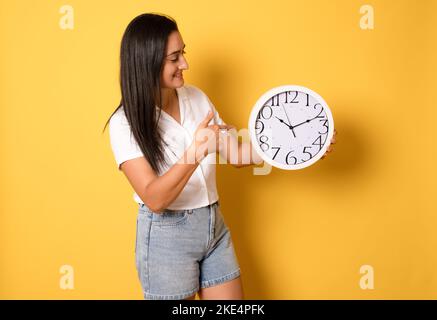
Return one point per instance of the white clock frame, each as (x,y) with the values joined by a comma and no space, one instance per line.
(263,100)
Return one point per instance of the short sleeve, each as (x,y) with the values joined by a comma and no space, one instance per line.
(123,143)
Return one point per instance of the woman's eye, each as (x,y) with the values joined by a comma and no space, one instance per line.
(183,52)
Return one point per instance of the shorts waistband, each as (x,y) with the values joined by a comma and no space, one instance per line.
(142,205)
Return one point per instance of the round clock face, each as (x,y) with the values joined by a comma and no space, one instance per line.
(291,127)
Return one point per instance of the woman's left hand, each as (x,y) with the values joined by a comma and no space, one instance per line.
(330,148)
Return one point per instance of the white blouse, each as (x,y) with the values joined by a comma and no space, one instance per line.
(194,104)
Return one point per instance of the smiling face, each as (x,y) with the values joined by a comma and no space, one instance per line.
(174,62)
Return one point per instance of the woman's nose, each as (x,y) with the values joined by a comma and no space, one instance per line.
(184,65)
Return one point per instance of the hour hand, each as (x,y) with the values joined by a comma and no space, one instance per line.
(282,121)
(289,127)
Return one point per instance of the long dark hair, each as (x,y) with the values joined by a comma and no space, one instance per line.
(141,61)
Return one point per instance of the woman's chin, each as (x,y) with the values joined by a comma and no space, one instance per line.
(174,83)
(178,81)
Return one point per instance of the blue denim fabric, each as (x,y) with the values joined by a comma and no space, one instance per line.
(180,251)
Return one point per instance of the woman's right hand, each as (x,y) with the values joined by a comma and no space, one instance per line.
(207,138)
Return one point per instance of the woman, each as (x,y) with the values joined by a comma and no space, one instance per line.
(159,139)
(183,245)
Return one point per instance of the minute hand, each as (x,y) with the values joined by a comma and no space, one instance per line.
(306,121)
(291,128)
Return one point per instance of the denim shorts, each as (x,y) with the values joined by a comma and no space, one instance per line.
(177,252)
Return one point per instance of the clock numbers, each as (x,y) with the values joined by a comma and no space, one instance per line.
(319,115)
(288,157)
(275,101)
(279,148)
(319,139)
(305,151)
(266,115)
(264,143)
(325,124)
(294,98)
(259,126)
(267,112)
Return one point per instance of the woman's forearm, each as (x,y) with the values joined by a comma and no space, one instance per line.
(240,154)
(162,191)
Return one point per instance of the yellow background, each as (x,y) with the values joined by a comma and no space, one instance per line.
(298,234)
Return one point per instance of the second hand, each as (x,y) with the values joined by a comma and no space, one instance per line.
(289,122)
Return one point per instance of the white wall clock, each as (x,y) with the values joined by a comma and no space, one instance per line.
(291,127)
